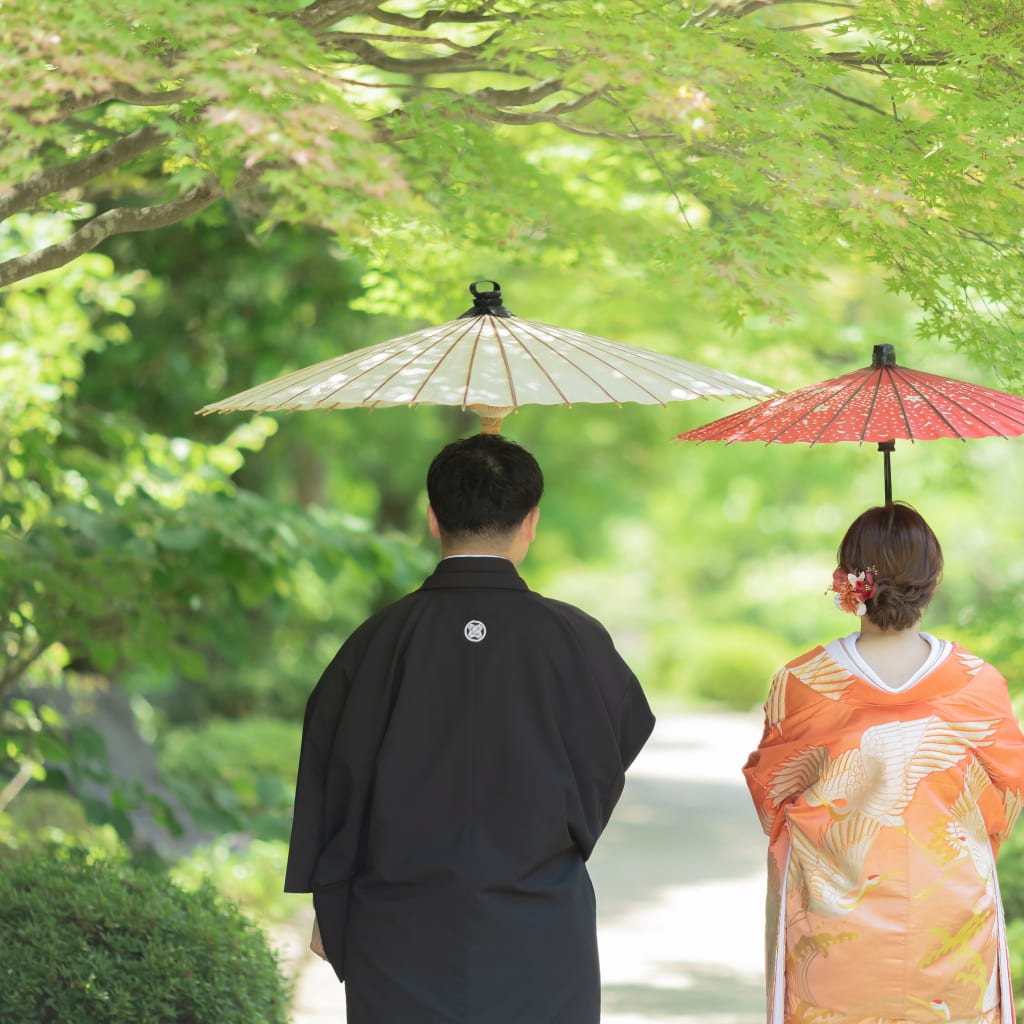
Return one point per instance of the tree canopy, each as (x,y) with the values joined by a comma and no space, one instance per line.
(732,151)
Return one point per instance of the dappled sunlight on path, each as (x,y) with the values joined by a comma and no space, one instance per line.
(680,881)
(679,875)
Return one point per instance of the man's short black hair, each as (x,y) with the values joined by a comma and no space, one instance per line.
(484,484)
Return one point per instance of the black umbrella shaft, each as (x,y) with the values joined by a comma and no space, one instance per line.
(887,448)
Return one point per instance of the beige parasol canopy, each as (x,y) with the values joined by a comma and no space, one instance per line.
(491,362)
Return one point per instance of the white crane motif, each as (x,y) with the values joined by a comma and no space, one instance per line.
(878,778)
(831,868)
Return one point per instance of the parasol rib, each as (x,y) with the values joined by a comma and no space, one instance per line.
(798,405)
(313,374)
(916,382)
(269,390)
(854,390)
(874,401)
(650,362)
(903,409)
(544,370)
(472,360)
(508,371)
(568,337)
(641,360)
(415,357)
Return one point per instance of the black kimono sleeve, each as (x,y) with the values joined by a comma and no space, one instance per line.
(609,724)
(331,794)
(324,709)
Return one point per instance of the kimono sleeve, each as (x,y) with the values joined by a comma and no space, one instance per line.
(331,792)
(757,785)
(1003,758)
(760,768)
(320,726)
(633,721)
(606,732)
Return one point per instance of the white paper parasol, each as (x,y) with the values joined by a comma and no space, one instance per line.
(491,362)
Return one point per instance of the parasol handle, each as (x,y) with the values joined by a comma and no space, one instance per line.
(887,448)
(491,417)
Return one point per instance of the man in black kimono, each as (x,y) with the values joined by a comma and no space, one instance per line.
(460,757)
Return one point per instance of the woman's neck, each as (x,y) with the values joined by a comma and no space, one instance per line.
(893,654)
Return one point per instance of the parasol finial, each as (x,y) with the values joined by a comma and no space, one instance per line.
(883,355)
(486,303)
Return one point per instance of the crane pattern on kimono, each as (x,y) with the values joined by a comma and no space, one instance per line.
(878,778)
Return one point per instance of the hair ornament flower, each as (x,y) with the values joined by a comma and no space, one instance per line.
(853,589)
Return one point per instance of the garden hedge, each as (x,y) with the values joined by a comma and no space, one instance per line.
(102,942)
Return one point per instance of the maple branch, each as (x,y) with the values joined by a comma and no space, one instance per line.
(73,104)
(550,114)
(742,10)
(755,4)
(858,59)
(811,24)
(120,221)
(78,172)
(156,98)
(599,133)
(854,100)
(18,665)
(325,13)
(435,16)
(384,37)
(463,60)
(17,784)
(533,93)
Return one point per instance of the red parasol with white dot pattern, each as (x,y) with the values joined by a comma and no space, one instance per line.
(879,403)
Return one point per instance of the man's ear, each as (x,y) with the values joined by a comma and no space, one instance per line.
(433,524)
(530,523)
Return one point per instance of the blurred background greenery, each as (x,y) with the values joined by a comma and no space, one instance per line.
(173,585)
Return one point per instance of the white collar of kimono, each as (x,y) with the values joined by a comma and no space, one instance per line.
(844,651)
(470,555)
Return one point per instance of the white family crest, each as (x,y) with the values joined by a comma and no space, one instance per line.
(475,631)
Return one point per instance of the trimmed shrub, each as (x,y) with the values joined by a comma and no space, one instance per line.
(734,666)
(102,942)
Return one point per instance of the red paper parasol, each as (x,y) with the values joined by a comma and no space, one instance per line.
(879,403)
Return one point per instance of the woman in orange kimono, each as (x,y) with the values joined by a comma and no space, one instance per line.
(890,770)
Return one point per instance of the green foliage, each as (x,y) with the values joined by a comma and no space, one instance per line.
(97,941)
(43,817)
(247,873)
(994,629)
(1011,876)
(235,776)
(130,549)
(41,745)
(1015,939)
(736,153)
(730,666)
